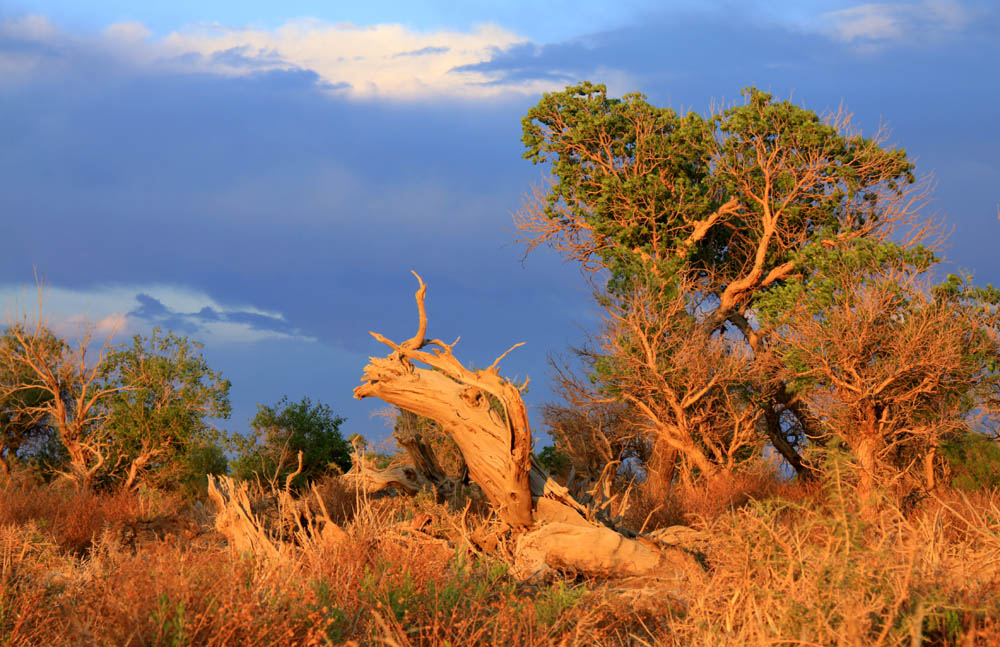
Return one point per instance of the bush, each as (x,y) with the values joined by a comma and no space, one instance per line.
(974,462)
(287,428)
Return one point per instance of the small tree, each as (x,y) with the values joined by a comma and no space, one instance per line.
(23,413)
(281,431)
(591,429)
(691,388)
(891,367)
(63,387)
(157,416)
(972,461)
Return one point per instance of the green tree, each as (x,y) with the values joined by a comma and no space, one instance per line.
(158,420)
(695,222)
(283,430)
(973,461)
(66,392)
(24,420)
(892,367)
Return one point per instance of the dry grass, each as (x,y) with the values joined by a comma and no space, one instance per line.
(650,510)
(824,573)
(72,518)
(785,567)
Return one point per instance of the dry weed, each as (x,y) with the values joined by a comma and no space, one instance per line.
(787,565)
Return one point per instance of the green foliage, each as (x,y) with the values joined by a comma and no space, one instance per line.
(204,457)
(637,176)
(169,620)
(974,460)
(835,275)
(553,603)
(281,431)
(169,394)
(22,428)
(336,620)
(554,460)
(780,232)
(465,585)
(397,592)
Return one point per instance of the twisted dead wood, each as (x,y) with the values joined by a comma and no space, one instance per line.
(487,419)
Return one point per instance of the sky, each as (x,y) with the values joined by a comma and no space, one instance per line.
(262,177)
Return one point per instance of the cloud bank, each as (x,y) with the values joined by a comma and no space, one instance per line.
(125,310)
(386,61)
(889,22)
(289,192)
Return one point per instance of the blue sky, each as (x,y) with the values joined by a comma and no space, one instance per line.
(262,176)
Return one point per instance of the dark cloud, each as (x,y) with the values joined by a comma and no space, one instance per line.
(155,312)
(208,314)
(269,190)
(246,56)
(149,308)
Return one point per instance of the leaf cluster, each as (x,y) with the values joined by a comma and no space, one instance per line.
(281,431)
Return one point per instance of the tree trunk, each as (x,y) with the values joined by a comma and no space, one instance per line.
(866,450)
(929,481)
(401,477)
(486,417)
(660,470)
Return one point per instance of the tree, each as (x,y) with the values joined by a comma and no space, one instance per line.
(590,430)
(64,387)
(157,417)
(281,431)
(892,366)
(23,413)
(691,221)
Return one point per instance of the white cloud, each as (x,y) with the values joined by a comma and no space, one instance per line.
(881,22)
(380,60)
(117,309)
(376,61)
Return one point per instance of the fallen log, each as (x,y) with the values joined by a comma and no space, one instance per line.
(423,471)
(486,417)
(370,480)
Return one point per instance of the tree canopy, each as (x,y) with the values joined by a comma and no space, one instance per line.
(282,430)
(725,249)
(24,422)
(160,413)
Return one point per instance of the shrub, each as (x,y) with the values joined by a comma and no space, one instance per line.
(974,462)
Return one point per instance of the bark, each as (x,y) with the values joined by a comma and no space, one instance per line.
(138,464)
(662,466)
(486,417)
(866,450)
(368,479)
(929,481)
(776,435)
(424,457)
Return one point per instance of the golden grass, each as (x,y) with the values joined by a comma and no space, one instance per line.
(788,567)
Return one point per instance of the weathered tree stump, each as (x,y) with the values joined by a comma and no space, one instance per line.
(487,419)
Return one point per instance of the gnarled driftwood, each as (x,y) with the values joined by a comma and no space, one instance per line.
(486,417)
